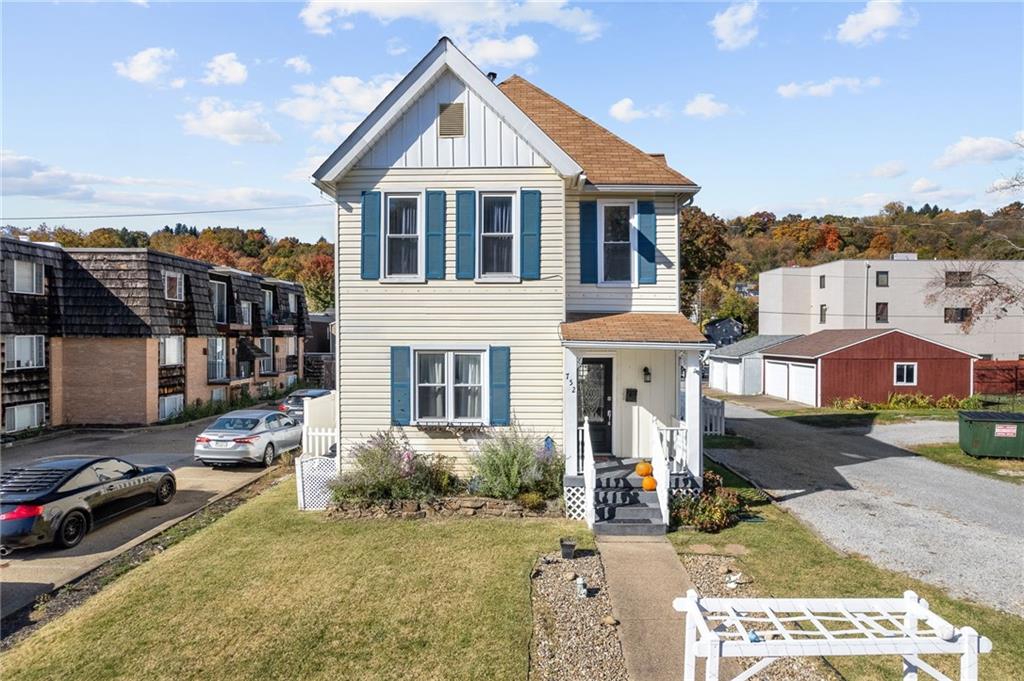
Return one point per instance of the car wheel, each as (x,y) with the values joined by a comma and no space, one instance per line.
(71,530)
(268,456)
(165,491)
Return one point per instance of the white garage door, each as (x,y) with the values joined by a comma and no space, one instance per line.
(733,378)
(717,378)
(776,379)
(803,384)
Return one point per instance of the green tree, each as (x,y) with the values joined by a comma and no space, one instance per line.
(702,248)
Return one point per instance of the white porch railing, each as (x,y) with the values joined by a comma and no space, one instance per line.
(317,441)
(589,476)
(659,462)
(713,412)
(674,442)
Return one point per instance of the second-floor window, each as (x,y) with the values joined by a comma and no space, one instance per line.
(958,279)
(882,279)
(821,281)
(615,237)
(217,358)
(247,314)
(268,306)
(293,302)
(402,243)
(956,315)
(881,313)
(172,351)
(28,277)
(497,236)
(220,301)
(174,285)
(25,352)
(822,313)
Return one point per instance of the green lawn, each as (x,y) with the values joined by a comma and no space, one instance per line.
(787,559)
(828,417)
(950,454)
(268,592)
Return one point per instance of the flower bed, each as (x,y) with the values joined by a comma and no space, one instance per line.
(447,507)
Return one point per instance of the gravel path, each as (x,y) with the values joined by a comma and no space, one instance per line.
(945,526)
(915,433)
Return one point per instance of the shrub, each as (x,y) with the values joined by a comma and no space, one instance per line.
(715,509)
(972,402)
(947,402)
(906,401)
(386,467)
(850,403)
(532,501)
(515,461)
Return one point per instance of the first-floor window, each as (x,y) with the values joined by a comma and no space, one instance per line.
(905,373)
(170,406)
(292,345)
(217,358)
(449,385)
(402,242)
(291,380)
(882,313)
(219,395)
(267,346)
(25,352)
(25,416)
(172,350)
(497,236)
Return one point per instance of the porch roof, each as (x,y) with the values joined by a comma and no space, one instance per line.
(640,328)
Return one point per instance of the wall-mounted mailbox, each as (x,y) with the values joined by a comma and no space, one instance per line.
(631,394)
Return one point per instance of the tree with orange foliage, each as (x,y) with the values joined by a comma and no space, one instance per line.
(317,275)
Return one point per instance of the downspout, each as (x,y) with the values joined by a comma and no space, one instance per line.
(867,278)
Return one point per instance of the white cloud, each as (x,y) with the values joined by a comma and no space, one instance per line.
(221,120)
(225,69)
(828,87)
(625,110)
(889,169)
(873,23)
(147,66)
(978,150)
(923,185)
(734,27)
(704,105)
(338,105)
(299,64)
(501,52)
(396,46)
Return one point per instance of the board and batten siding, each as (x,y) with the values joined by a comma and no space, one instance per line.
(412,141)
(374,316)
(659,297)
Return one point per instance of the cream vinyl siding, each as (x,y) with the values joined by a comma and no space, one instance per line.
(374,315)
(413,141)
(660,297)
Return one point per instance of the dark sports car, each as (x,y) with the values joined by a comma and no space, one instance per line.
(59,499)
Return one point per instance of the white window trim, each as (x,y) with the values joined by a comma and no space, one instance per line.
(160,351)
(293,302)
(291,347)
(246,313)
(214,285)
(485,382)
(10,356)
(899,364)
(421,246)
(179,288)
(272,359)
(162,399)
(11,414)
(633,260)
(36,278)
(211,356)
(516,276)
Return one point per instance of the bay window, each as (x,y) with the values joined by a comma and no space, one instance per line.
(498,252)
(615,222)
(449,386)
(403,245)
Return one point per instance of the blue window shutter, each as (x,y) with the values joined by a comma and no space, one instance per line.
(401,386)
(465,235)
(370,236)
(435,234)
(647,238)
(588,242)
(500,370)
(529,234)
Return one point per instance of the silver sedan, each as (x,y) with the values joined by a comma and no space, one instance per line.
(248,436)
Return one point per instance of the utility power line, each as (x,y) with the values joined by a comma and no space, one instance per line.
(157,215)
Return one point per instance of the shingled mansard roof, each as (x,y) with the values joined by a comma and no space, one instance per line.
(574,145)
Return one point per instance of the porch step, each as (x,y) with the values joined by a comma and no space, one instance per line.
(619,480)
(631,528)
(627,512)
(623,496)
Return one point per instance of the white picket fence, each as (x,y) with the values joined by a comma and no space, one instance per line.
(317,441)
(713,412)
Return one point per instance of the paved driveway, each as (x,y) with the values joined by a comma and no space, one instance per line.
(30,572)
(954,529)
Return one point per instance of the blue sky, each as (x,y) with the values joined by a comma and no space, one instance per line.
(811,108)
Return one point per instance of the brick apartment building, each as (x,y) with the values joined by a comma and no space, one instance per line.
(130,335)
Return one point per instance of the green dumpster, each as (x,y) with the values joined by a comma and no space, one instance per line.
(992,433)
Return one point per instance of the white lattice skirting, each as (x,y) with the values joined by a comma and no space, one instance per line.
(313,478)
(574,506)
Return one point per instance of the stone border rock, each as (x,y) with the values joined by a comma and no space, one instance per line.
(446,507)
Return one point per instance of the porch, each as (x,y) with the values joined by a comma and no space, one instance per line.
(632,393)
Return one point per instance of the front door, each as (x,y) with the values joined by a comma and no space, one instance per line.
(595,402)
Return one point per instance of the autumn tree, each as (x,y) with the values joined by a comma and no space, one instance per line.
(980,286)
(702,247)
(317,276)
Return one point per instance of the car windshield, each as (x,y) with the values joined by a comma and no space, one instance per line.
(234,423)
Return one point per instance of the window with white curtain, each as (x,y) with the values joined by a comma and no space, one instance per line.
(25,352)
(172,350)
(247,314)
(497,235)
(449,386)
(169,406)
(28,277)
(25,416)
(402,243)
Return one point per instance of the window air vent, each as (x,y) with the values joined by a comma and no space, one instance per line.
(451,120)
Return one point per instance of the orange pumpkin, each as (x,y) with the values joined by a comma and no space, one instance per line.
(650,484)
(643,469)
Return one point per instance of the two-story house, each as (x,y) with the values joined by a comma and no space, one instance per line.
(502,258)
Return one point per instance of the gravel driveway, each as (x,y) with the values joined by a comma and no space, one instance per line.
(945,526)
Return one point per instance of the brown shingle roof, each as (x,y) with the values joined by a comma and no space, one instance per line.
(823,342)
(631,327)
(605,157)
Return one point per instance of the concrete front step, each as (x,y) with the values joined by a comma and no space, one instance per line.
(624,496)
(631,528)
(620,481)
(627,512)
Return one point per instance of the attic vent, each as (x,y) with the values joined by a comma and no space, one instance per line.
(451,120)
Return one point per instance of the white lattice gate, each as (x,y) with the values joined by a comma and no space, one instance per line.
(313,478)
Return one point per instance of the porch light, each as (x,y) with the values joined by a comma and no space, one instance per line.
(647,375)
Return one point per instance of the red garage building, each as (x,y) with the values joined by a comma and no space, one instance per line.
(867,363)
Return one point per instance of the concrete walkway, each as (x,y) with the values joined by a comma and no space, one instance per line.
(644,575)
